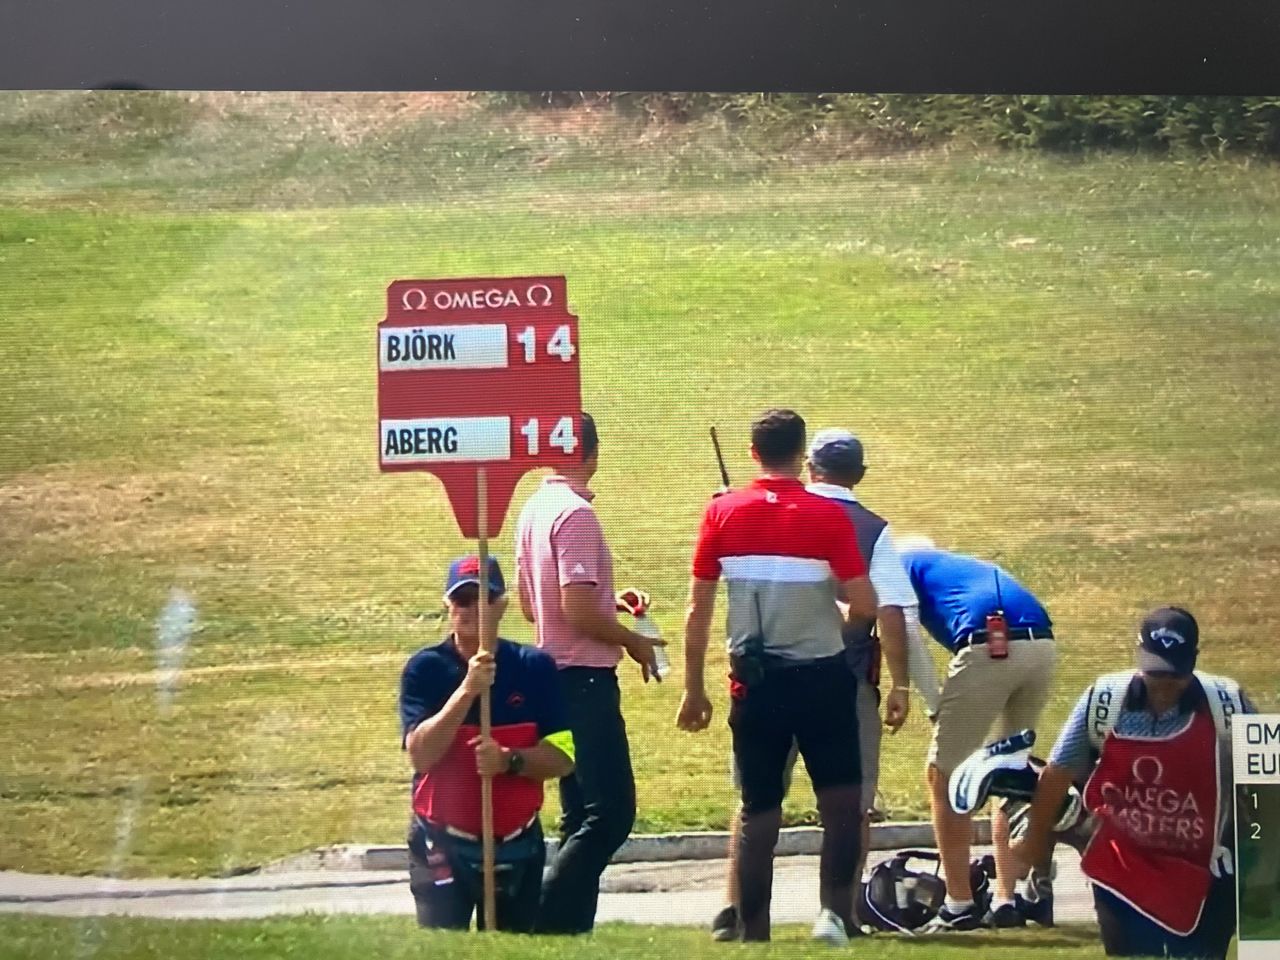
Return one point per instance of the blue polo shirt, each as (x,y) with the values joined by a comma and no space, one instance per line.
(957,593)
(526,688)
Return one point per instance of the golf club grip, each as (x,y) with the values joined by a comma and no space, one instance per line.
(715,442)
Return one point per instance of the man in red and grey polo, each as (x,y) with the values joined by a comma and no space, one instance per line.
(787,555)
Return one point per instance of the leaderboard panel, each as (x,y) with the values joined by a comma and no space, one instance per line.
(1256,757)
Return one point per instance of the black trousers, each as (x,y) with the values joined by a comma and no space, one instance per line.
(814,705)
(449,905)
(598,801)
(1127,933)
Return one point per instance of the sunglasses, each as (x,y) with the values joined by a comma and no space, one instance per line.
(466,596)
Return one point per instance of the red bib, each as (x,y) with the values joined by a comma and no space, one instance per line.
(450,794)
(1156,801)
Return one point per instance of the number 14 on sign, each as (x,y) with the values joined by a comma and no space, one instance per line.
(561,435)
(560,345)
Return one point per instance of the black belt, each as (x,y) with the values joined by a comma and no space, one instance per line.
(751,669)
(979,637)
(775,663)
(772,663)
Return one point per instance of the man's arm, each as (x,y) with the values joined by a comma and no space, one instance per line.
(920,664)
(849,567)
(897,599)
(524,576)
(526,601)
(859,597)
(581,609)
(695,706)
(431,738)
(1051,790)
(697,631)
(543,761)
(581,605)
(578,544)
(893,642)
(1070,760)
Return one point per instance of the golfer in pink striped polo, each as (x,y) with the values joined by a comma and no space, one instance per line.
(565,575)
(561,545)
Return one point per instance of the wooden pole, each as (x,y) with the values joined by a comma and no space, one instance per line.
(486,783)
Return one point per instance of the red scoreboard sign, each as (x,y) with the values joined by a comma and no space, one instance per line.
(478,373)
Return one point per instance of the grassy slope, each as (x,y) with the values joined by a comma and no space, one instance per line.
(186,398)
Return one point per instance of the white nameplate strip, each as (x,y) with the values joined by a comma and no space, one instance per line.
(470,347)
(446,439)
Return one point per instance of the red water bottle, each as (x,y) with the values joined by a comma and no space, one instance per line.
(997,636)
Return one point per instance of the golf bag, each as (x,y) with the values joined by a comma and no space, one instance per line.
(1074,825)
(900,899)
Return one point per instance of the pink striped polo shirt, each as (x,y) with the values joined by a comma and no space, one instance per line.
(559,541)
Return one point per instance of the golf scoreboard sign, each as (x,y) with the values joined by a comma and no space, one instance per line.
(478,373)
(1255,753)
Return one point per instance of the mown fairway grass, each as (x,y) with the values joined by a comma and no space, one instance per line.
(1067,364)
(334,938)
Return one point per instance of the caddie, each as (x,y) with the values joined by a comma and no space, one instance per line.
(1153,750)
(530,743)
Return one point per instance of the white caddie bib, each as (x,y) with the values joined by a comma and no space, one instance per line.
(1107,700)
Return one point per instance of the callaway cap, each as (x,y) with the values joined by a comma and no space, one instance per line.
(1168,642)
(466,570)
(836,451)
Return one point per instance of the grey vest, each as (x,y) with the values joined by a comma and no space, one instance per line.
(860,642)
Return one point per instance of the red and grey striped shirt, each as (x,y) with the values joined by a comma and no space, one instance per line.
(781,551)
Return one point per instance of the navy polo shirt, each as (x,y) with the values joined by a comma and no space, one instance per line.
(957,593)
(526,688)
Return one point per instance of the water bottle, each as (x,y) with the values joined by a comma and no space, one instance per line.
(905,892)
(647,628)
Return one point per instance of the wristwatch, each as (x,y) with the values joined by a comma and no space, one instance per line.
(515,762)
